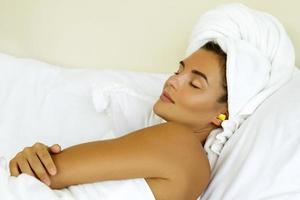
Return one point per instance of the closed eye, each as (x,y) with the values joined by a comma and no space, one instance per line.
(194,85)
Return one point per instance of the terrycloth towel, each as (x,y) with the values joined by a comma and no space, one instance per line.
(260,59)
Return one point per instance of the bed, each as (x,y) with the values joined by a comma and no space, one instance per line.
(53,92)
(51,104)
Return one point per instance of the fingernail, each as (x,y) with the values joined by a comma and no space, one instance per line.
(46,181)
(55,148)
(52,171)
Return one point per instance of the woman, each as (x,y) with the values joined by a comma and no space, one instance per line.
(170,156)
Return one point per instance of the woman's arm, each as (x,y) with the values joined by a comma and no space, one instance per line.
(158,151)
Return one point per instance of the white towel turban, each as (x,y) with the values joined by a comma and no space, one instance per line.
(260,59)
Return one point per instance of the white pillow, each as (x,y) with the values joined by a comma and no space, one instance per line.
(50,104)
(129,99)
(262,158)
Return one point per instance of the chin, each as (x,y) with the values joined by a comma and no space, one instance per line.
(156,109)
(162,112)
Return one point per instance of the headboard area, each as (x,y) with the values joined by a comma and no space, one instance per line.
(120,34)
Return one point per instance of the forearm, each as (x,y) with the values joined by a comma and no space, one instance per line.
(79,164)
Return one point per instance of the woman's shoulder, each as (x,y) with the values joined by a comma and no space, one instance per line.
(188,168)
(186,144)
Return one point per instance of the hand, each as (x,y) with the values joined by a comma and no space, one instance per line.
(33,161)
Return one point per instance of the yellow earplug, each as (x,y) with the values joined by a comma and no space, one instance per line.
(222,117)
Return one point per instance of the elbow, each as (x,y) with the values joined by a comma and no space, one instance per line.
(56,184)
(56,187)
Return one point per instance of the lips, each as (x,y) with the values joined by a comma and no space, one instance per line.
(167,96)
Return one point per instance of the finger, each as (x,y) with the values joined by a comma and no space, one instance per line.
(39,169)
(47,161)
(42,151)
(24,167)
(55,148)
(13,168)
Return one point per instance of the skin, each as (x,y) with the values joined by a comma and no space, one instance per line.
(174,173)
(195,107)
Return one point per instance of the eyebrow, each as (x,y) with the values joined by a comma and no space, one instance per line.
(196,72)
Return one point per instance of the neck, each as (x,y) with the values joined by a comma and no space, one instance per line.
(202,134)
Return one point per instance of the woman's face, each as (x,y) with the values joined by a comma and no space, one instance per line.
(194,97)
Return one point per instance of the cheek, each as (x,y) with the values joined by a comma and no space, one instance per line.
(196,103)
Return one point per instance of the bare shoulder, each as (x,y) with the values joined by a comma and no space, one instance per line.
(188,171)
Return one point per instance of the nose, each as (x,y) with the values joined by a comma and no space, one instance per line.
(173,82)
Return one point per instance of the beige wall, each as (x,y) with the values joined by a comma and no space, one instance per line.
(125,34)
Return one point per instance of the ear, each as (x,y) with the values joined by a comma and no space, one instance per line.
(217,122)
